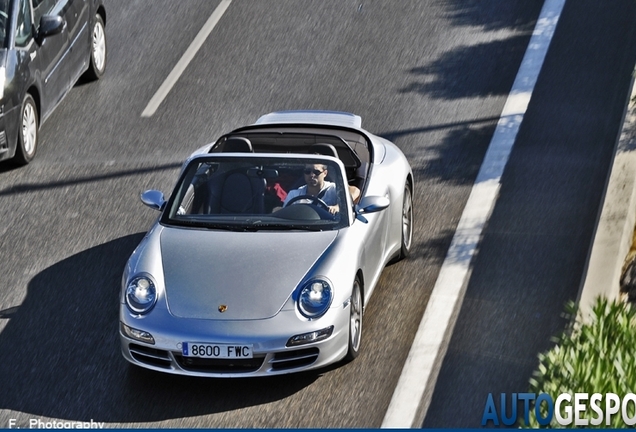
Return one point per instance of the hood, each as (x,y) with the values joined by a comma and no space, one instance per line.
(251,273)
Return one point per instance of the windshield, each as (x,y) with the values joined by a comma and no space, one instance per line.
(246,193)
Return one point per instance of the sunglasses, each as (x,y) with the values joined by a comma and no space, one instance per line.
(315,172)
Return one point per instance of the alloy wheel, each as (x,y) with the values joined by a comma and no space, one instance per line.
(29,129)
(99,46)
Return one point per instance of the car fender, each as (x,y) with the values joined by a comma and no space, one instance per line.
(146,259)
(394,172)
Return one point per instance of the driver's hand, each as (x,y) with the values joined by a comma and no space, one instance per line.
(334,209)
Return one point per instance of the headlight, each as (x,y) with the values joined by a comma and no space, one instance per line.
(314,298)
(141,295)
(310,337)
(137,334)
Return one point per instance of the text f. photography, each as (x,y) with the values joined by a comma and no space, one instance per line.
(55,424)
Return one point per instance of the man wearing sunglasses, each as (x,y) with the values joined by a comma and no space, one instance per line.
(317,186)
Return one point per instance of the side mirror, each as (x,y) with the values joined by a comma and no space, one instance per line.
(153,199)
(370,204)
(50,25)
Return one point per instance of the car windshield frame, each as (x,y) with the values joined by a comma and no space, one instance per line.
(205,195)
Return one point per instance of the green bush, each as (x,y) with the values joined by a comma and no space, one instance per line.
(597,356)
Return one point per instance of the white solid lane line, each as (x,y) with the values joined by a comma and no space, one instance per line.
(414,390)
(187,57)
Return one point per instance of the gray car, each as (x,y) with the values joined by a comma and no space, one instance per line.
(45,47)
(268,249)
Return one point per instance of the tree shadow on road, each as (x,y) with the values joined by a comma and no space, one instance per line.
(470,71)
(454,160)
(491,15)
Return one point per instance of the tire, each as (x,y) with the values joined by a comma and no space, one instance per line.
(355,321)
(99,51)
(407,222)
(28,132)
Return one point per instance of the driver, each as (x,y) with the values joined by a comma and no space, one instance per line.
(316,186)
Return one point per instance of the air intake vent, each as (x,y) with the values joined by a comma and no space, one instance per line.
(294,359)
(219,365)
(150,356)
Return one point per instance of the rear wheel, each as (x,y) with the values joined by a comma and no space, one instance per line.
(99,56)
(407,222)
(28,132)
(355,321)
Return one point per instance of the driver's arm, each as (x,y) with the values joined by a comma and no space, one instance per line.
(292,193)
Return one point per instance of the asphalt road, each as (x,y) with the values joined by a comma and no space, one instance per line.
(534,252)
(431,76)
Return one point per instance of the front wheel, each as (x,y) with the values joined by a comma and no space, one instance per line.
(98,58)
(28,133)
(355,321)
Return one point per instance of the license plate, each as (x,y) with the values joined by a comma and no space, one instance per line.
(224,351)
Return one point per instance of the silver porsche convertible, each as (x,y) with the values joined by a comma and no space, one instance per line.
(268,249)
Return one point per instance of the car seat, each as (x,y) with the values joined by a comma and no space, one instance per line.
(235,192)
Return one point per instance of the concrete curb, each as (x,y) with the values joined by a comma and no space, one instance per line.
(615,229)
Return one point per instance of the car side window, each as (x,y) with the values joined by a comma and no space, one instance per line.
(24,30)
(4,22)
(42,7)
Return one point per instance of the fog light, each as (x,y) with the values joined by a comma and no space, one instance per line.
(311,337)
(139,335)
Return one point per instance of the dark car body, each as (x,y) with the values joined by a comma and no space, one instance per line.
(45,46)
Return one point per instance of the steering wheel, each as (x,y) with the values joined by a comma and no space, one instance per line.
(314,201)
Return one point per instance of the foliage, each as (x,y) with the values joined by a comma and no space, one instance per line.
(597,356)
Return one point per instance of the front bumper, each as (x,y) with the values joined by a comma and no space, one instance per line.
(268,337)
(7,136)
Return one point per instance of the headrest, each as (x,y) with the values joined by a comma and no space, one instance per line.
(237,145)
(324,149)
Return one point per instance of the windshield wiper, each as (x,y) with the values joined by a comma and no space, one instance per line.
(278,226)
(247,226)
(213,226)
